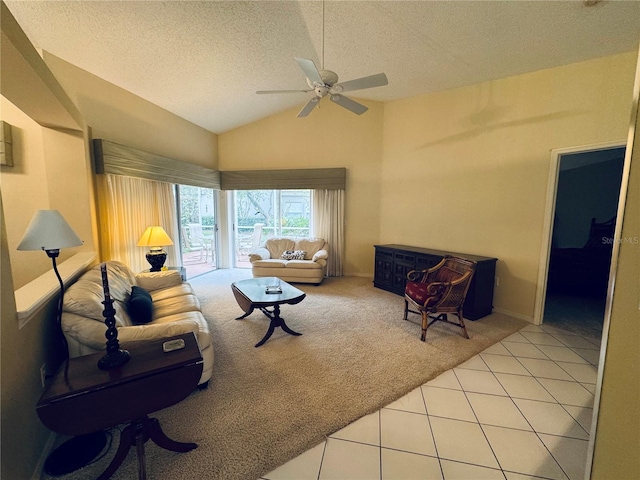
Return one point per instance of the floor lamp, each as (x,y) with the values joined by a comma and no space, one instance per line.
(49,231)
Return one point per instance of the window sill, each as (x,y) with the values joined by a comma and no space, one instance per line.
(34,295)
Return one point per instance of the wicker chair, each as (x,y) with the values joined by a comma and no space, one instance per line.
(438,291)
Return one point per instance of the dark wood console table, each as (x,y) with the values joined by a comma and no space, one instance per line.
(80,398)
(393,262)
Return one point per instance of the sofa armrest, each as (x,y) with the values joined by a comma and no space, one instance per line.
(320,254)
(154,331)
(259,253)
(91,333)
(156,280)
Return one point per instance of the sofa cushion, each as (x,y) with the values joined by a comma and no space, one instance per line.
(310,246)
(85,296)
(277,245)
(174,305)
(293,255)
(303,264)
(270,263)
(140,306)
(177,291)
(151,281)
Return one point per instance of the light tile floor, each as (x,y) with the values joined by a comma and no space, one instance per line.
(521,409)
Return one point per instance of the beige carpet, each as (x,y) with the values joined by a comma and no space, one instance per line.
(266,405)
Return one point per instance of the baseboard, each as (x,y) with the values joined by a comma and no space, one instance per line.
(526,318)
(48,447)
(369,275)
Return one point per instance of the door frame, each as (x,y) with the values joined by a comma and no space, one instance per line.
(550,208)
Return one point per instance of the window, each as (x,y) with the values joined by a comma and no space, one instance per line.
(260,214)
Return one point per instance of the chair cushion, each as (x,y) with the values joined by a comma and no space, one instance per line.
(140,306)
(422,294)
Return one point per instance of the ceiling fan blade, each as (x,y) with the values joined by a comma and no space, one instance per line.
(264,92)
(349,104)
(310,70)
(371,81)
(306,110)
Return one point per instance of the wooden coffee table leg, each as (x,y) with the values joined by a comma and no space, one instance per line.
(275,321)
(286,328)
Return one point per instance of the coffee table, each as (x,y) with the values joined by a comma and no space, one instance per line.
(251,294)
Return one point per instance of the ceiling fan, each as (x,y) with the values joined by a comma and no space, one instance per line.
(325,83)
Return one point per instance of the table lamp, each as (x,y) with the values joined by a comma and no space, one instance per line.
(49,231)
(155,238)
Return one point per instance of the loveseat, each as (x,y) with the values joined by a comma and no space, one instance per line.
(171,310)
(302,260)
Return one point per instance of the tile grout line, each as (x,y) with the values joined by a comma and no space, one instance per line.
(478,420)
(521,413)
(380,442)
(433,438)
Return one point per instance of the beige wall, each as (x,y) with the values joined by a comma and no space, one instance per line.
(122,117)
(330,137)
(464,170)
(35,182)
(617,440)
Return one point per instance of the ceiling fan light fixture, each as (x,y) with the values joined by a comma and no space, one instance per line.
(325,83)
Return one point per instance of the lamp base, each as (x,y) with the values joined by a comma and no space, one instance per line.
(75,453)
(156,259)
(115,359)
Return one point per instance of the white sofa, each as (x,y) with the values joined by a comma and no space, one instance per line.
(176,310)
(269,261)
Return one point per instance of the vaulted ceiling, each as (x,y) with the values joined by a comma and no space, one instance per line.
(204,60)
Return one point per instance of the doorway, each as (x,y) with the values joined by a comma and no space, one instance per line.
(583,221)
(197,209)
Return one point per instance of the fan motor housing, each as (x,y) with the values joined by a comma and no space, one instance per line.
(328,77)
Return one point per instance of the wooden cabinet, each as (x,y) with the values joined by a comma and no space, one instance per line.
(393,262)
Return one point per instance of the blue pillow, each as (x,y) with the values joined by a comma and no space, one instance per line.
(140,306)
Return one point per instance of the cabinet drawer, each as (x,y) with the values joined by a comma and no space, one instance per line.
(424,262)
(404,258)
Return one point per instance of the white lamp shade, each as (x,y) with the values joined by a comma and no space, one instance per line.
(154,237)
(48,230)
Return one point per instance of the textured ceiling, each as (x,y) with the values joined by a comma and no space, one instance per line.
(204,60)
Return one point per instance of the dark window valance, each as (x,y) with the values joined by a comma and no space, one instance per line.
(311,178)
(116,159)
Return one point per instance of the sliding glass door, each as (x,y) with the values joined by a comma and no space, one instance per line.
(260,214)
(198,229)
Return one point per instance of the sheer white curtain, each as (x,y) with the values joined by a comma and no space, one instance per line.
(328,223)
(127,206)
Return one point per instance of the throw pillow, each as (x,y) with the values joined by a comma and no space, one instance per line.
(293,255)
(140,306)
